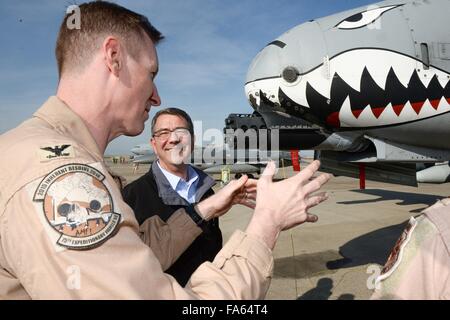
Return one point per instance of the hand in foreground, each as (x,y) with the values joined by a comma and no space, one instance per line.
(242,191)
(285,204)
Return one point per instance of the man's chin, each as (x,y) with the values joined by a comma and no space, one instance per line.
(178,161)
(133,132)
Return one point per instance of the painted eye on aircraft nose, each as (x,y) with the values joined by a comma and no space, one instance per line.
(362,19)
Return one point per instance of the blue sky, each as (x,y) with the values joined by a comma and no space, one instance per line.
(203,60)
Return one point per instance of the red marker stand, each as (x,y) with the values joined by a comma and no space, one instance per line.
(295,160)
(362,176)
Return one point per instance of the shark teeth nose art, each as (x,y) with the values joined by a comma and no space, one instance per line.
(365,88)
(395,96)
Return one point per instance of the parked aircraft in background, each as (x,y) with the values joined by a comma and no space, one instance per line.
(370,85)
(143,153)
(213,159)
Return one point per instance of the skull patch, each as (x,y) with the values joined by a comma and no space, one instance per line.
(78,205)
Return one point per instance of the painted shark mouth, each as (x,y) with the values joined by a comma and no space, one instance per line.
(381,88)
(347,104)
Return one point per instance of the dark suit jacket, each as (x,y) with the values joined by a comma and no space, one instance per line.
(152,194)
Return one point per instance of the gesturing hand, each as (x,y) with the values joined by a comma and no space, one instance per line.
(242,191)
(285,204)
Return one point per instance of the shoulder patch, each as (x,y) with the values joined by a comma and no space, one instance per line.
(77,204)
(396,254)
(47,153)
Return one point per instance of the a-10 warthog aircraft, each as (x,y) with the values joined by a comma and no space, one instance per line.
(370,85)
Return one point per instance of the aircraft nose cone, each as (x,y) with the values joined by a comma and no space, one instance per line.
(263,76)
(265,65)
(283,63)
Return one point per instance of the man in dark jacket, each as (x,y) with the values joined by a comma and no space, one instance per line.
(171,183)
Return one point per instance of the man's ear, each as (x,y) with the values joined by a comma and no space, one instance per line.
(153,144)
(113,55)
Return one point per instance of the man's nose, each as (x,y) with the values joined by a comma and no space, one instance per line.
(155,99)
(174,138)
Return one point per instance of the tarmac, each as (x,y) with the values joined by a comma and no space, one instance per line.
(339,256)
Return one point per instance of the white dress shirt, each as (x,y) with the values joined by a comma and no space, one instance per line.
(186,189)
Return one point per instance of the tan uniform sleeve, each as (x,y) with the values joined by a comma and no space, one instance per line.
(123,267)
(424,269)
(241,270)
(10,288)
(168,240)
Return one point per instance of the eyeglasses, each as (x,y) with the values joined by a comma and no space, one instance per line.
(164,134)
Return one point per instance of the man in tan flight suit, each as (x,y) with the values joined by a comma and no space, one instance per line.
(419,264)
(65,232)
